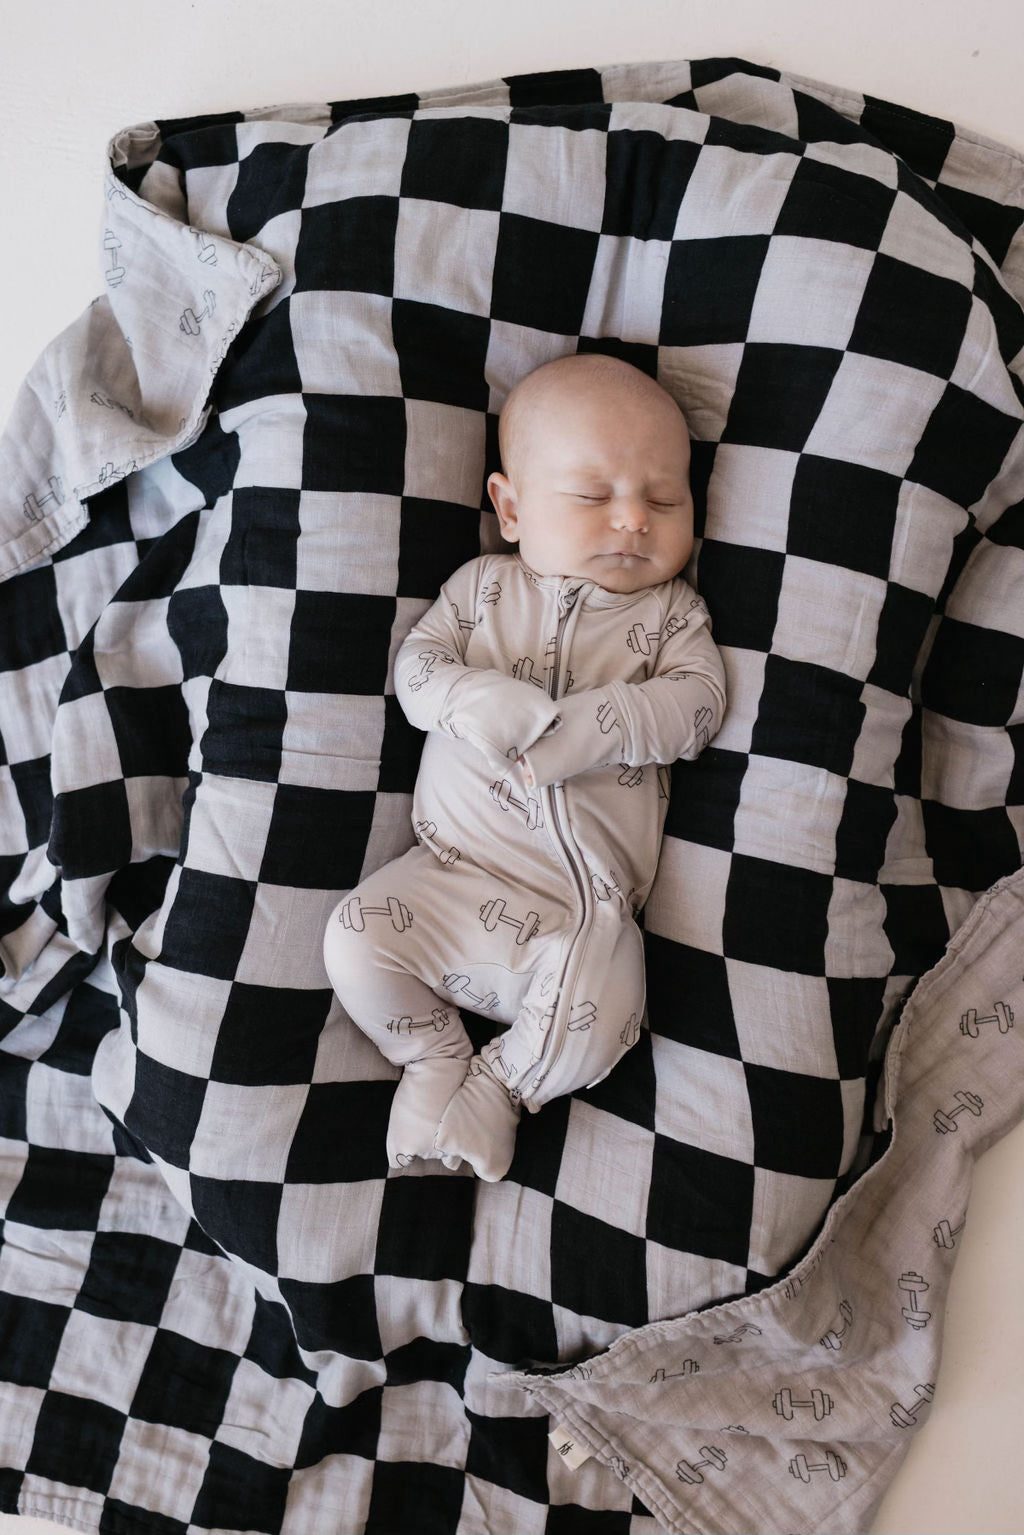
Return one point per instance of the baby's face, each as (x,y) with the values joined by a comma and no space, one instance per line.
(599,488)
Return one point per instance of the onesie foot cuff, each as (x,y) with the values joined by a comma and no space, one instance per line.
(421,1097)
(479,1125)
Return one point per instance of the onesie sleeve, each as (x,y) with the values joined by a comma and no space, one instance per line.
(497,714)
(674,713)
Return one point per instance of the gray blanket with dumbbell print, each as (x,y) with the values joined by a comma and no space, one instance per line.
(799,1402)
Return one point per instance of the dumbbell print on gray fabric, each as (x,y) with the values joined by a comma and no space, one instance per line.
(836,1336)
(191,321)
(459,985)
(431,659)
(945,1233)
(906,1417)
(37,503)
(353,914)
(945,1120)
(691,1471)
(438,1021)
(114,273)
(914,1286)
(804,1470)
(817,1402)
(503,796)
(427,830)
(496,911)
(1001,1015)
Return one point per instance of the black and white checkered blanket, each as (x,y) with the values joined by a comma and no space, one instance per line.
(227,493)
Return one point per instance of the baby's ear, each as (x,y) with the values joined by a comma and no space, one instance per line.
(503,499)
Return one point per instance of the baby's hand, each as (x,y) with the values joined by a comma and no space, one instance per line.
(527,775)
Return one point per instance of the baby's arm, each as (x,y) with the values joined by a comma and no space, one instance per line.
(437,690)
(675,713)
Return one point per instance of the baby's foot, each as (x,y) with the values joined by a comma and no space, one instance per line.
(421,1097)
(479,1124)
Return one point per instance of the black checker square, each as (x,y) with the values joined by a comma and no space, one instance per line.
(843,514)
(77,1441)
(242,1213)
(705,797)
(208,923)
(428,1359)
(261,363)
(435,538)
(197,622)
(92,832)
(317,837)
(916,926)
(269,1034)
(271,180)
(261,549)
(922,141)
(342,1133)
(556,88)
(165,1109)
(348,245)
(353,1429)
(354,443)
(129,1275)
(456,160)
(399,751)
(700,1202)
(442,353)
(829,202)
(869,811)
(798,1120)
(902,625)
(542,274)
(688,997)
(410,1495)
(574,1519)
(741,586)
(963,447)
(973,674)
(30,1336)
(709,289)
(911,316)
(779,394)
(856,1004)
(60,1190)
(510,1452)
(184,1384)
(32,629)
(508,1325)
(118,1515)
(152,729)
(426,1227)
(596,1269)
(776,915)
(340,642)
(341,1317)
(970,849)
(646,179)
(241,1493)
(808,713)
(244,731)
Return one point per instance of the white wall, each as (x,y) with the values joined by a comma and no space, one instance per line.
(72,72)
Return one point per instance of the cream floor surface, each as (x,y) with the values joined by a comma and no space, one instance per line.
(72,72)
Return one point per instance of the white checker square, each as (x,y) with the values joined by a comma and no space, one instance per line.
(84,745)
(322,1248)
(626,293)
(19,1412)
(445,452)
(60,1112)
(349,542)
(856,945)
(701,1100)
(828,616)
(980,369)
(154,806)
(196,1004)
(303,914)
(13,832)
(211,1302)
(678,1282)
(138,1202)
(687,899)
(677,124)
(44,1265)
(133,647)
(556,174)
(83,583)
(409,1308)
(749,496)
(358,158)
(28,702)
(783,1019)
(857,159)
(270,436)
(875,413)
(344,344)
(260,1408)
(160,1468)
(203,200)
(853,1094)
(991,584)
(724,196)
(445,255)
(489,1506)
(579,1336)
(605,1169)
(702,380)
(964,767)
(787,1212)
(512,1240)
(279,237)
(344,1054)
(332,741)
(203,569)
(918,238)
(228,826)
(744,684)
(246,1132)
(515,350)
(249,135)
(763,101)
(789,813)
(922,542)
(880,741)
(259,635)
(809,292)
(338,1488)
(423,1421)
(906,862)
(101,1359)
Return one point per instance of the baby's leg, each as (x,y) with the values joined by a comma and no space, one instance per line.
(380,943)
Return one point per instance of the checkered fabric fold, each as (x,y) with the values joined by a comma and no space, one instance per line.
(228,493)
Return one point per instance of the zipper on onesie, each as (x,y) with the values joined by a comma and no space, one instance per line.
(553,801)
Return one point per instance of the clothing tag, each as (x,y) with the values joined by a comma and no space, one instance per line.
(572,1453)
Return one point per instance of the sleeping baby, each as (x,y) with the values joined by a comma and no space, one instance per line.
(555,685)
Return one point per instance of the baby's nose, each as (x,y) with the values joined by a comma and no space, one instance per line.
(630,512)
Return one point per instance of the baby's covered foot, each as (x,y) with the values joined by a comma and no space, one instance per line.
(421,1097)
(479,1124)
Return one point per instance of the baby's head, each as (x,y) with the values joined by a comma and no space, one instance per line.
(595,483)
